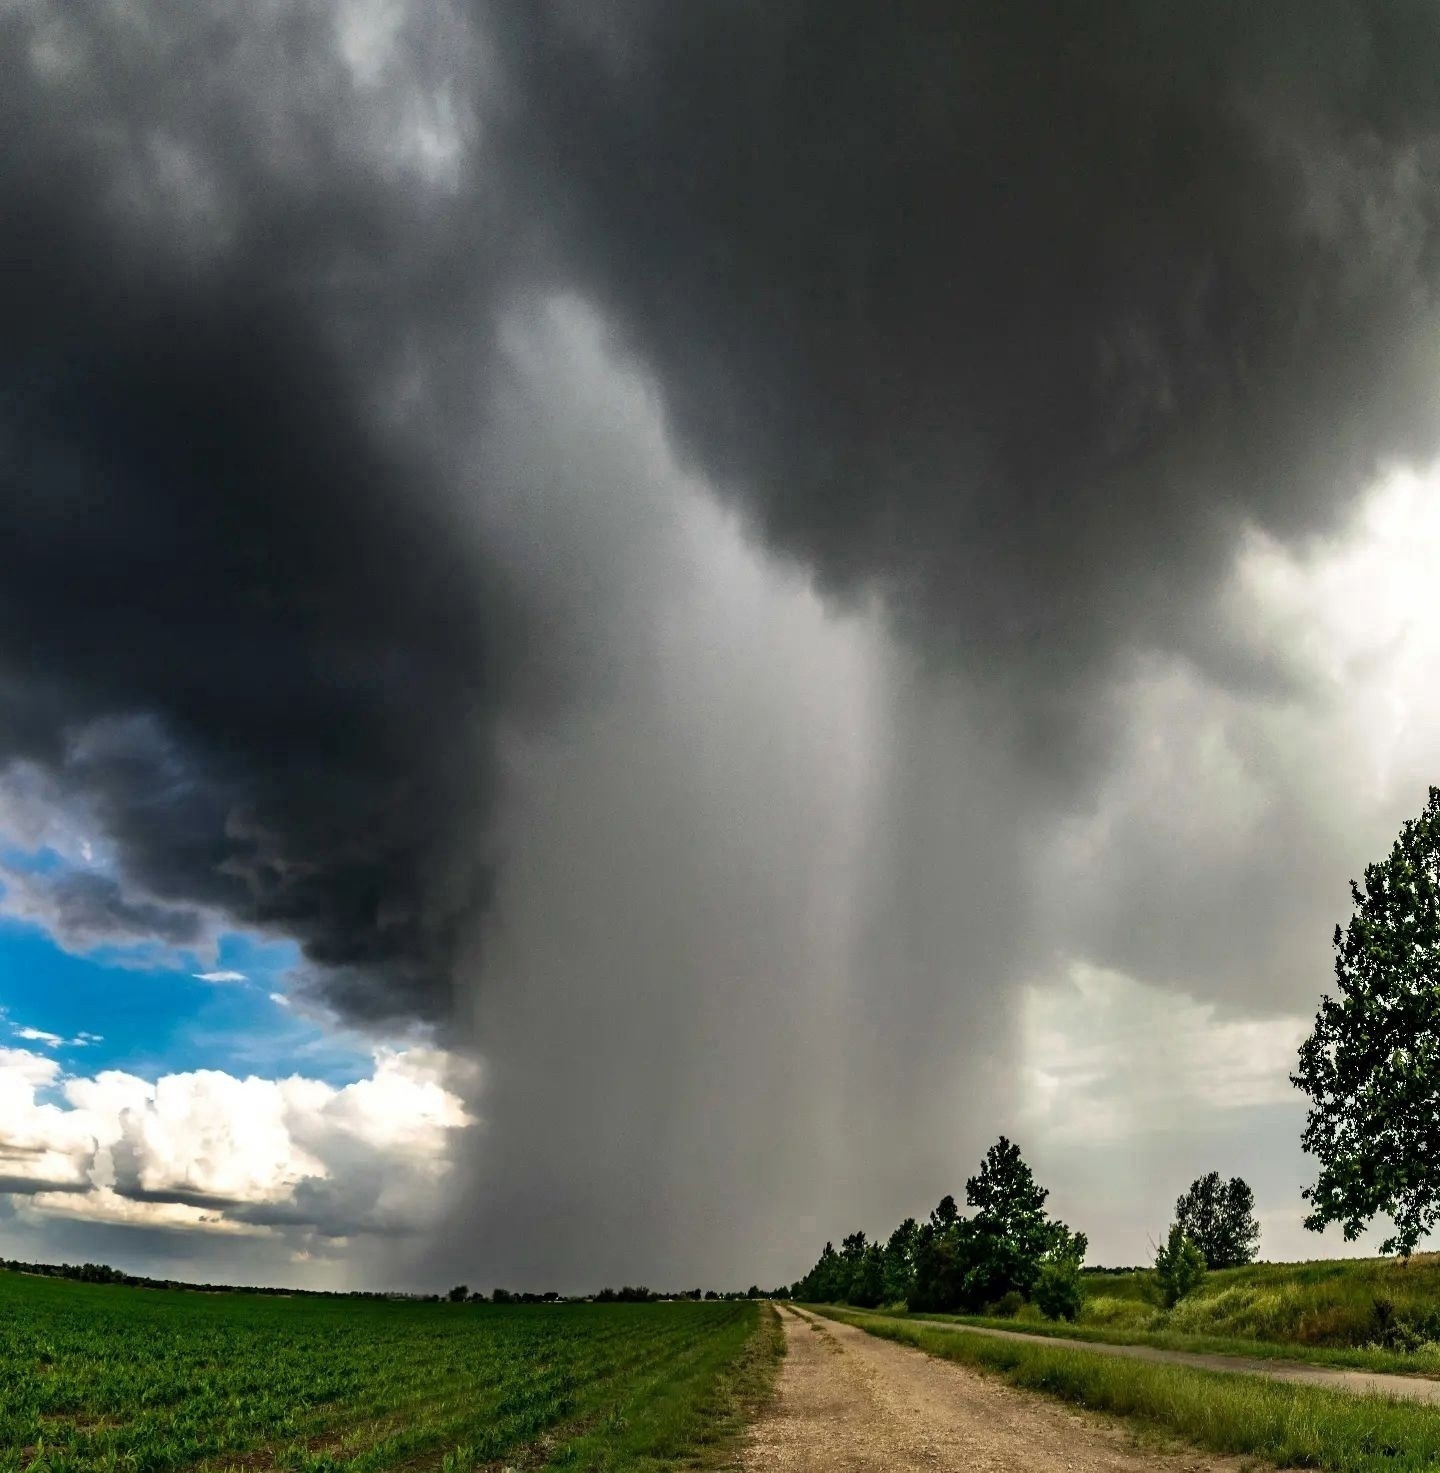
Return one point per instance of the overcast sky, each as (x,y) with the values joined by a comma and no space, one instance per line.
(628,629)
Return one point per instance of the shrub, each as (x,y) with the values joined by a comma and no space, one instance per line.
(1121,1313)
(1219,1218)
(1393,1329)
(1057,1289)
(1332,1324)
(1179,1266)
(1007,1306)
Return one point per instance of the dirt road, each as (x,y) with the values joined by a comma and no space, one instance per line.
(849,1402)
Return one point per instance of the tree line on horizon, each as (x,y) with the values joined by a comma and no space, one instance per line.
(462,1294)
(1009,1252)
(103,1273)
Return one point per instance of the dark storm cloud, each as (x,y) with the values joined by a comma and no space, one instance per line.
(1018,315)
(1014,313)
(241,633)
(1018,311)
(329,1210)
(322,1208)
(182,1195)
(25,1186)
(85,910)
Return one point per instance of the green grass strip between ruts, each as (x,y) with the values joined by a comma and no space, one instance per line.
(1292,1426)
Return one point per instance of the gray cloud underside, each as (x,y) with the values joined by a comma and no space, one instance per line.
(25,1186)
(86,910)
(1019,312)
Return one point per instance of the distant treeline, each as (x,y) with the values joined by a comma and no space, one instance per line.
(1007,1253)
(462,1294)
(102,1273)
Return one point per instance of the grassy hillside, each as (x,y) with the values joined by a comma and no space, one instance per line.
(1337,1303)
(106,1376)
(1379,1313)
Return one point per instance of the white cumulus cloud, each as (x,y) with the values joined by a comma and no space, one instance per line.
(207,1150)
(37,1035)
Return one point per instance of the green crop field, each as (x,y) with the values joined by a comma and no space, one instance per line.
(116,1378)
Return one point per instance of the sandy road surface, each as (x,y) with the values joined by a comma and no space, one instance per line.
(848,1401)
(1327,1378)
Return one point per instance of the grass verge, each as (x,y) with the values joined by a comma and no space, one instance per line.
(1350,1358)
(1292,1426)
(689,1415)
(1353,1303)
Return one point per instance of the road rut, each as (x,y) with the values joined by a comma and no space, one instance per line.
(848,1402)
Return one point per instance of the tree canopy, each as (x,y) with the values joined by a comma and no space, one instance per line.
(1219,1218)
(1372,1064)
(1179,1266)
(954,1262)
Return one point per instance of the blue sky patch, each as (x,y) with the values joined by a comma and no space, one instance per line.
(150,1020)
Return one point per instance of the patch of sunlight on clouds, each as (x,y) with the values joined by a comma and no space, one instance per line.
(104,1205)
(1357,611)
(1213,856)
(1106,1058)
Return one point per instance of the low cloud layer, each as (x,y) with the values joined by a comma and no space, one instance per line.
(1021,314)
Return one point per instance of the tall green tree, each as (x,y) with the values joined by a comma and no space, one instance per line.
(1371,1067)
(939,1269)
(867,1282)
(827,1281)
(900,1262)
(1058,1291)
(945,1215)
(1219,1218)
(852,1258)
(969,1262)
(1179,1266)
(1004,1189)
(1013,1232)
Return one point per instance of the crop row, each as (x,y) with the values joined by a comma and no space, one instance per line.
(105,1377)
